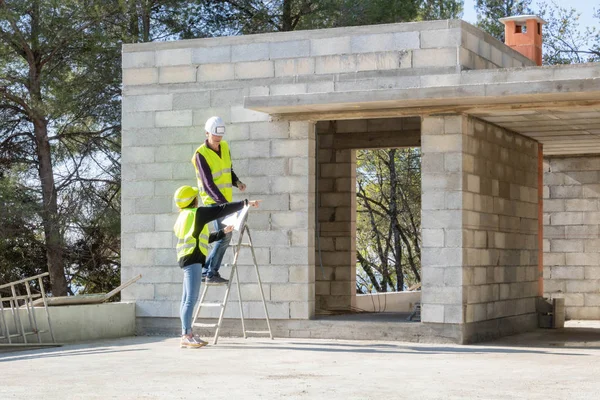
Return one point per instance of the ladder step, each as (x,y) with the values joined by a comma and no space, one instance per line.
(259,332)
(201,325)
(211,304)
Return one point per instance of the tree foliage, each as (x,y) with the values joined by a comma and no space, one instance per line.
(59,127)
(565,42)
(389,219)
(490,11)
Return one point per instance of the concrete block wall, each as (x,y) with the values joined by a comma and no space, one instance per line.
(479,221)
(441,219)
(335,257)
(171,88)
(337,141)
(500,236)
(571,234)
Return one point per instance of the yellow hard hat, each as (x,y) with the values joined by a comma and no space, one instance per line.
(185,195)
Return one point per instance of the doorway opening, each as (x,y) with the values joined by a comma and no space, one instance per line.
(363,256)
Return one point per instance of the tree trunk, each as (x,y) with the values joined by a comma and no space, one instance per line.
(54,250)
(50,220)
(286,18)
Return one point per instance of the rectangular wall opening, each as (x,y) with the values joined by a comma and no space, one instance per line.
(345,149)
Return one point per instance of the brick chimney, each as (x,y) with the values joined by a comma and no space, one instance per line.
(524,34)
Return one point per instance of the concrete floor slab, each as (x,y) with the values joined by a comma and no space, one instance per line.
(156,368)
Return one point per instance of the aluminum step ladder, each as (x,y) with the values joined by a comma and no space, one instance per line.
(201,304)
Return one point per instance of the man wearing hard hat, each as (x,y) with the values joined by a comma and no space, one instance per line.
(216,179)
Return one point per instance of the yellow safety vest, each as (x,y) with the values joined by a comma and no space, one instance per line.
(184,229)
(220,168)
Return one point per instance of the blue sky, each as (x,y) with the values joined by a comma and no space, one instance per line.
(585,7)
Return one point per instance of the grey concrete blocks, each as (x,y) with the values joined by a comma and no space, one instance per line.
(173,118)
(250,52)
(291,49)
(441,38)
(216,72)
(294,67)
(254,70)
(141,59)
(182,101)
(140,76)
(179,74)
(330,46)
(173,57)
(211,55)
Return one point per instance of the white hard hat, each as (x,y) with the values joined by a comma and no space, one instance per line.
(215,126)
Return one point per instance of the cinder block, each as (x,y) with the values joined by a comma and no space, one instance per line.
(269,130)
(406,40)
(289,49)
(453,314)
(173,57)
(290,220)
(335,64)
(441,38)
(254,70)
(186,101)
(292,88)
(173,118)
(320,87)
(425,58)
(372,43)
(328,46)
(570,272)
(566,246)
(136,120)
(294,67)
(140,76)
(153,240)
(138,59)
(241,114)
(211,55)
(292,255)
(289,148)
(137,189)
(267,167)
(302,310)
(250,52)
(566,218)
(216,72)
(432,313)
(139,291)
(292,292)
(177,74)
(582,258)
(441,144)
(137,223)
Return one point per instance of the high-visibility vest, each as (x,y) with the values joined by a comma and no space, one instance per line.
(184,230)
(220,168)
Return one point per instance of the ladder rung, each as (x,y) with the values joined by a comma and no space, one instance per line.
(201,325)
(211,304)
(260,332)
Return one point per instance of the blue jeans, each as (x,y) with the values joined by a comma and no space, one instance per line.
(213,261)
(192,277)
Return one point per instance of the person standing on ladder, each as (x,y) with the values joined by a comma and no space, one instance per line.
(192,234)
(214,171)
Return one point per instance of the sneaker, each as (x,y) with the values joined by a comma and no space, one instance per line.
(216,279)
(192,342)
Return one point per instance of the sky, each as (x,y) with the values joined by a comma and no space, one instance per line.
(585,7)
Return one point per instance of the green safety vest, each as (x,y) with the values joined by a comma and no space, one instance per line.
(220,167)
(184,230)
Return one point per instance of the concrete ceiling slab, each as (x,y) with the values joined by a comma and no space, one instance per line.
(559,106)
